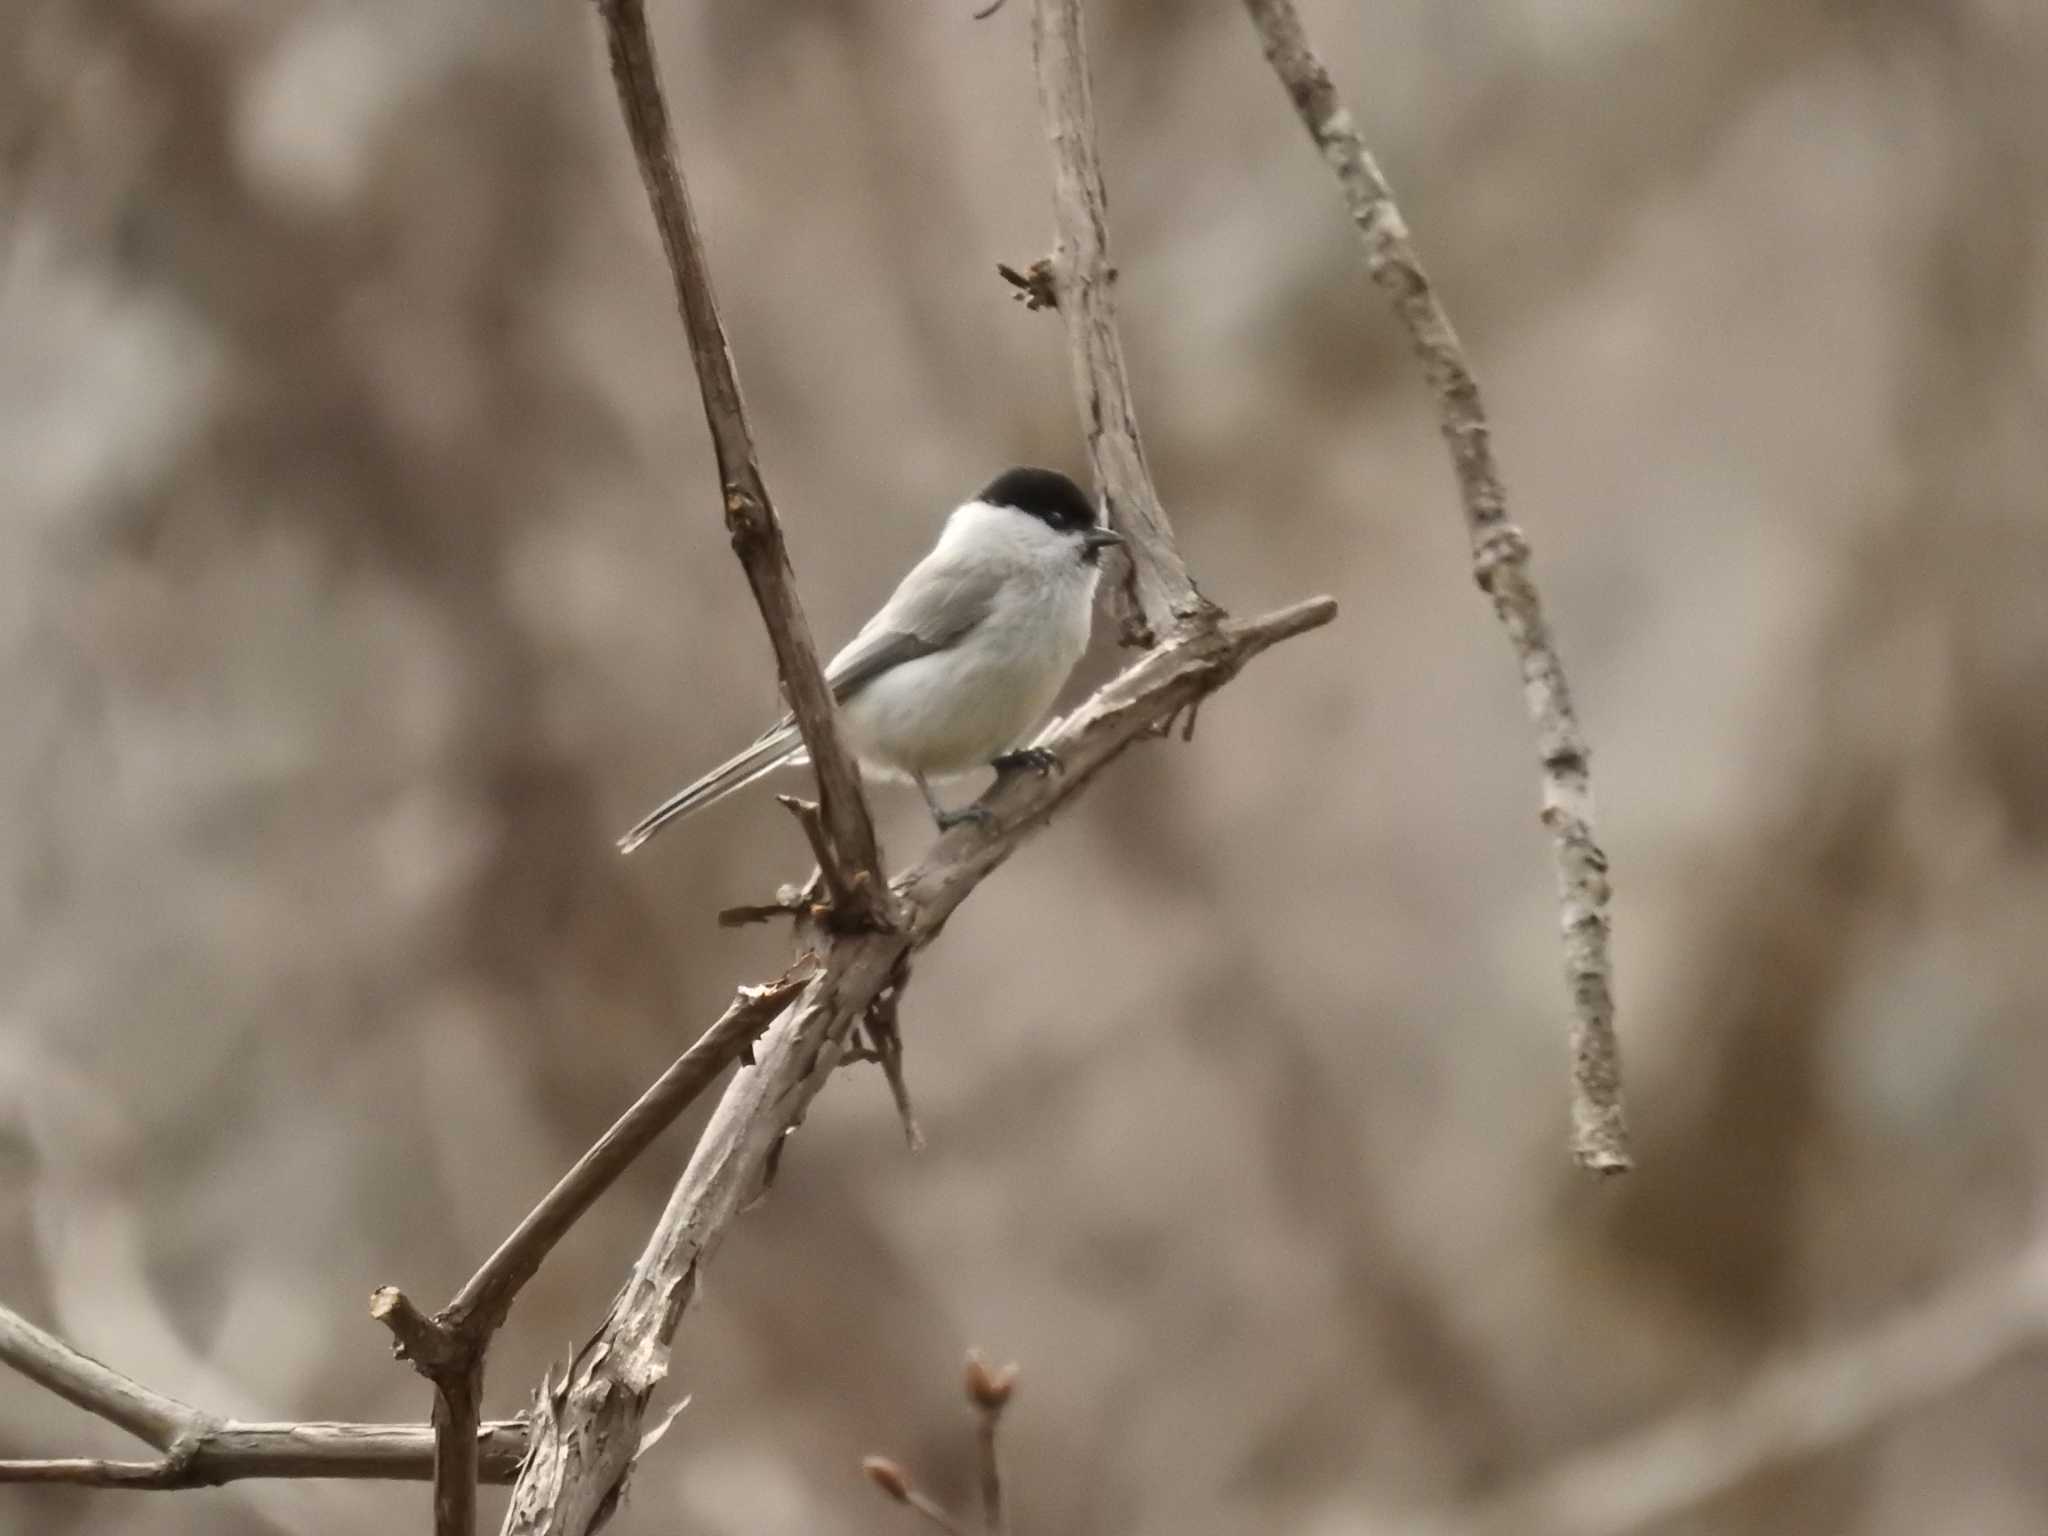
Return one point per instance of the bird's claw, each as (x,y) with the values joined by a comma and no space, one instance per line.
(1039,760)
(979,815)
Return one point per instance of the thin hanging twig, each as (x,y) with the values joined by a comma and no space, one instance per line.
(1500,562)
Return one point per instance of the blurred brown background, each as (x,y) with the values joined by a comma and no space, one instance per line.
(361,577)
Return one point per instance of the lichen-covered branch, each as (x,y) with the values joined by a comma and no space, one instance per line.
(1500,561)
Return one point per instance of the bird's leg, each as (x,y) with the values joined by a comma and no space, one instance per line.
(1039,760)
(948,820)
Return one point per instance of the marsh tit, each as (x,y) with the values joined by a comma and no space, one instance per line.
(964,658)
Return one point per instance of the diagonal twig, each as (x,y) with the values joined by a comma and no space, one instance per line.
(490,1290)
(853,870)
(1500,561)
(449,1347)
(98,1389)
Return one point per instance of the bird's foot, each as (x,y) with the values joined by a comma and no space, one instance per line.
(979,815)
(1038,760)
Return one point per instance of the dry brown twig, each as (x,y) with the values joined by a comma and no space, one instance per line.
(1500,561)
(850,857)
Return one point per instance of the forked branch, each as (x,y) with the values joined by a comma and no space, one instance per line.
(200,1450)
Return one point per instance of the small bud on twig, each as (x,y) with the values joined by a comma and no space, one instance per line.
(1035,285)
(887,1476)
(989,1388)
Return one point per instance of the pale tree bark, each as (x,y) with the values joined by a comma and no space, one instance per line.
(1500,564)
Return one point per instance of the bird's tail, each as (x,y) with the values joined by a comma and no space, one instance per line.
(763,757)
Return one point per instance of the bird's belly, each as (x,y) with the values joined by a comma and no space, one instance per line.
(951,712)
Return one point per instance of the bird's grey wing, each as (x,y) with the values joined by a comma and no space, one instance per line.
(939,604)
(856,667)
(933,609)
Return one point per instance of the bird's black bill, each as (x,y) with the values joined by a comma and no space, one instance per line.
(1100,538)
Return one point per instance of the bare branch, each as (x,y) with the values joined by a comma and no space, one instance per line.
(1500,560)
(230,1452)
(586,1425)
(201,1451)
(853,872)
(1157,595)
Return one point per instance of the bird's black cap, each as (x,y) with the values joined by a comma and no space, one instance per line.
(1045,494)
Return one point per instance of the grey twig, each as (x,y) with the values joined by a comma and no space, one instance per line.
(1157,594)
(853,868)
(98,1389)
(1500,561)
(449,1347)
(201,1451)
